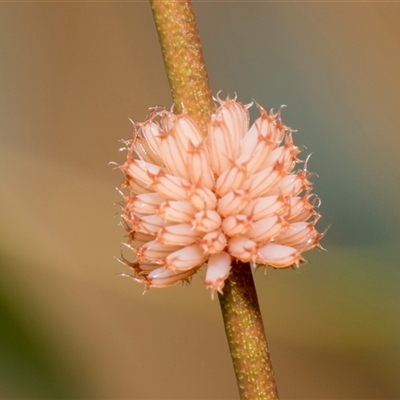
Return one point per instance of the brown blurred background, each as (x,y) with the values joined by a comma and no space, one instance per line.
(71,74)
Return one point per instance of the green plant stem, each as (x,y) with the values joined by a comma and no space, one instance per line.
(245,332)
(183,59)
(187,75)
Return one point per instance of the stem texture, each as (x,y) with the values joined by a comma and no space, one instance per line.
(245,333)
(183,58)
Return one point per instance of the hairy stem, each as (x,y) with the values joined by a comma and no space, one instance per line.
(245,332)
(183,58)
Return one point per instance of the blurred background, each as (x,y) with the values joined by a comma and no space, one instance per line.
(71,74)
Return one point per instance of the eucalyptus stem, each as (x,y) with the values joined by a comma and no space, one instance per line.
(188,79)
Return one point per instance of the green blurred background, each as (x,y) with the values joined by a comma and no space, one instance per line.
(71,74)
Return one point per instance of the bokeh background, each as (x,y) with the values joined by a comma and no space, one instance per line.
(71,74)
